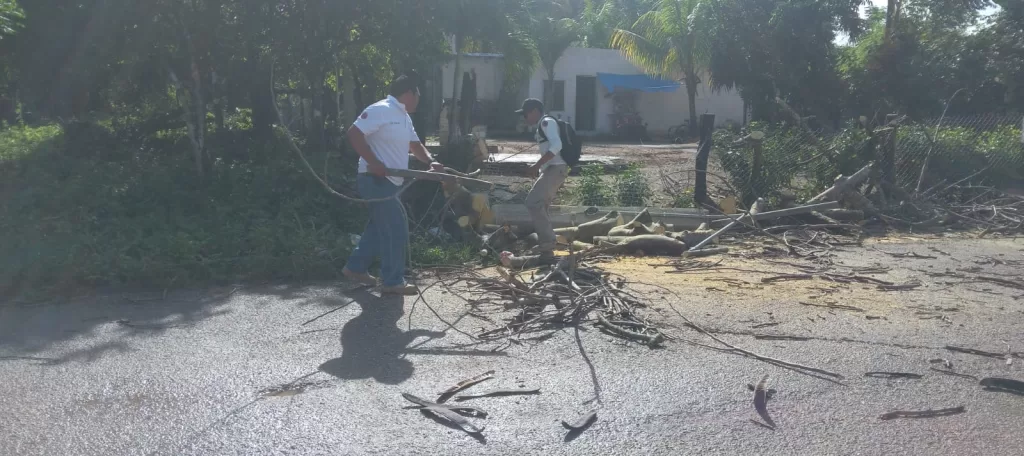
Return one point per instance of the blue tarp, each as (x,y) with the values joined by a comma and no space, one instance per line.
(640,82)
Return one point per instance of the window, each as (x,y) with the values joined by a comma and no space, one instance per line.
(557,101)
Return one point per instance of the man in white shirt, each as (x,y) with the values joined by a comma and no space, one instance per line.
(551,169)
(383,136)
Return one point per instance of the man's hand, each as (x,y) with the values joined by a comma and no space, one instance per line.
(377,169)
(436,167)
(533,171)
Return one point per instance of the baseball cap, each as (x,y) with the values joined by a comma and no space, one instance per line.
(530,104)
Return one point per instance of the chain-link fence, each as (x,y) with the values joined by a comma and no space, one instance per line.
(915,155)
(777,162)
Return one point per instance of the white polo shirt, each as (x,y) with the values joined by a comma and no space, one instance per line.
(554,142)
(388,130)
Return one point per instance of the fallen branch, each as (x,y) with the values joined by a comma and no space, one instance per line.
(891,375)
(785,277)
(651,341)
(445,413)
(834,306)
(973,351)
(497,393)
(955,374)
(923,413)
(463,385)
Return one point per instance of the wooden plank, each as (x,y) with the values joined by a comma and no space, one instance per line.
(564,216)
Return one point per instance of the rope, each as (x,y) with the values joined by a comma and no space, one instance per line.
(408,182)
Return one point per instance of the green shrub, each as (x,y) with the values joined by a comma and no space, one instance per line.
(631,187)
(85,219)
(591,190)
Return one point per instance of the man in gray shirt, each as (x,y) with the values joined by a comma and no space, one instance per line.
(550,171)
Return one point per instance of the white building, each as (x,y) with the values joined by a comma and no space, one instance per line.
(583,98)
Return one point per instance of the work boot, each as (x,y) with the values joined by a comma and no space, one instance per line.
(405,288)
(361,278)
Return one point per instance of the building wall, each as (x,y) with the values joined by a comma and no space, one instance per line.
(660,110)
(489,75)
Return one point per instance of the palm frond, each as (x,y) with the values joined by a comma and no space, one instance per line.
(640,51)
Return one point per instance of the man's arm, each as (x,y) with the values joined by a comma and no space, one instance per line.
(358,141)
(422,155)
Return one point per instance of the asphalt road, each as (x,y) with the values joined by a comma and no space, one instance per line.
(317,370)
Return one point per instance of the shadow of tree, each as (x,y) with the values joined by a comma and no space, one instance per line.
(372,344)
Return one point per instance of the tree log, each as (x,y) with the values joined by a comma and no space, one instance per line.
(842,185)
(637,229)
(587,231)
(650,244)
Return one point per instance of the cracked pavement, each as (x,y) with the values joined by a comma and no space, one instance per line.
(308,370)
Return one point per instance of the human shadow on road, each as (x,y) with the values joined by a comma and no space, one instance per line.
(372,345)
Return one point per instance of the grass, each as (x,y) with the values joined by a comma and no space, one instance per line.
(95,211)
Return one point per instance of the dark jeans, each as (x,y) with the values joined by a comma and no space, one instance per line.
(386,234)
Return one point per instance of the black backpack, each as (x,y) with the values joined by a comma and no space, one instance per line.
(572,145)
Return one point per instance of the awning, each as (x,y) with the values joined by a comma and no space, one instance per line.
(641,82)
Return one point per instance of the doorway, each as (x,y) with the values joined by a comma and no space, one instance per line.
(586,103)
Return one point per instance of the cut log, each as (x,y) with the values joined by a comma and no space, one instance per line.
(643,218)
(845,214)
(750,214)
(691,238)
(707,252)
(842,184)
(480,202)
(587,231)
(501,239)
(649,244)
(637,229)
(578,246)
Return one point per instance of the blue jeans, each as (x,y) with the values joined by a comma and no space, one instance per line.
(386,234)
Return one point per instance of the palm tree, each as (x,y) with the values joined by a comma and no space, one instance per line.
(669,41)
(553,37)
(10,13)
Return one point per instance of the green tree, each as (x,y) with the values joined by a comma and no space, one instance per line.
(554,32)
(669,40)
(600,18)
(770,49)
(10,14)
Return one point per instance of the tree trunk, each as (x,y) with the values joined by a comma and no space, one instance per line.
(891,17)
(259,98)
(452,136)
(549,91)
(348,98)
(691,99)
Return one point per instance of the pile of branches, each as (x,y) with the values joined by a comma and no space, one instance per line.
(969,207)
(568,293)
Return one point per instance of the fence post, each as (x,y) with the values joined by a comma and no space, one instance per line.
(889,152)
(756,185)
(700,188)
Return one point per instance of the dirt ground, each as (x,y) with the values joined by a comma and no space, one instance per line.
(668,168)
